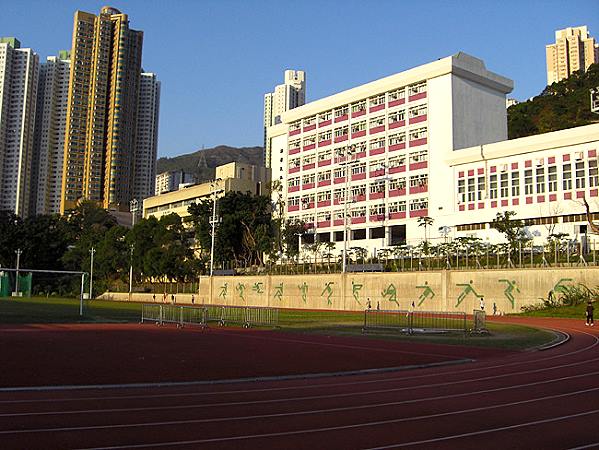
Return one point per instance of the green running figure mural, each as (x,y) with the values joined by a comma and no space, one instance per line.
(511,287)
(468,288)
(258,287)
(355,289)
(278,292)
(391,292)
(304,290)
(223,291)
(426,293)
(329,290)
(240,290)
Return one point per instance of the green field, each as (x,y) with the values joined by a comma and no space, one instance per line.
(61,310)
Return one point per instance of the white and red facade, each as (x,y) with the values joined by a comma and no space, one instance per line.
(401,129)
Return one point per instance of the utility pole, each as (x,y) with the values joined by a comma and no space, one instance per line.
(133,205)
(214,193)
(91,272)
(349,151)
(18,252)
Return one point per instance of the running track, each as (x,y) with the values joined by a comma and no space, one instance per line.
(534,400)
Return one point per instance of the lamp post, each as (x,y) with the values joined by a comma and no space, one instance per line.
(133,205)
(18,252)
(347,154)
(91,272)
(215,191)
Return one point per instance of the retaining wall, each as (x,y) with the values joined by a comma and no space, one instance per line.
(446,290)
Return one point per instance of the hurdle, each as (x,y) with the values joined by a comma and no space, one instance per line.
(411,321)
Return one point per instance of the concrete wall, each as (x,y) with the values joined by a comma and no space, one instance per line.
(431,291)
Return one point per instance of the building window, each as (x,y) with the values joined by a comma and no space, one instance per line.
(377,122)
(397,184)
(378,100)
(580,178)
(419,156)
(325,156)
(325,136)
(360,126)
(567,176)
(342,131)
(294,182)
(377,143)
(593,174)
(397,207)
(342,111)
(377,187)
(515,184)
(471,189)
(421,181)
(324,176)
(324,196)
(309,121)
(461,191)
(397,161)
(528,189)
(493,186)
(418,204)
(397,94)
(540,180)
(417,88)
(323,117)
(417,111)
(339,172)
(419,133)
(397,138)
(358,169)
(480,191)
(552,178)
(358,107)
(397,116)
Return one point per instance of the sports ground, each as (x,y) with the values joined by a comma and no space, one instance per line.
(75,386)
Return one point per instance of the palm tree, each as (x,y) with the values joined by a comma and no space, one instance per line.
(425,221)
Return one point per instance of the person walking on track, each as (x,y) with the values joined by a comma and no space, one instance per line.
(590,309)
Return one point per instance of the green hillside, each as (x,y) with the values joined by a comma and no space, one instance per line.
(562,105)
(202,162)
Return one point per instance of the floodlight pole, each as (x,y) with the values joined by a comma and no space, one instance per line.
(133,205)
(81,295)
(214,192)
(348,153)
(18,252)
(91,272)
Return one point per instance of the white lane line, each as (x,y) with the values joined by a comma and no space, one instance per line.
(305,387)
(380,422)
(296,399)
(593,445)
(490,430)
(294,413)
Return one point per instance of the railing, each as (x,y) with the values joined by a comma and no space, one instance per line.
(180,315)
(411,321)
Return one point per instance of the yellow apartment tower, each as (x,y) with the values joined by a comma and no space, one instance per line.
(574,50)
(101,113)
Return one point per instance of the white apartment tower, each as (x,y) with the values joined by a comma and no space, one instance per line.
(146,140)
(574,50)
(286,96)
(19,72)
(50,128)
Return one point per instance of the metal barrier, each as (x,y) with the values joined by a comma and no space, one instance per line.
(408,321)
(151,313)
(245,316)
(480,320)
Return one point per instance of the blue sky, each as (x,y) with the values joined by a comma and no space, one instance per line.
(216,58)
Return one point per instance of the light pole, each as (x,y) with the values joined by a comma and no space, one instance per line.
(133,206)
(215,191)
(91,272)
(348,153)
(18,252)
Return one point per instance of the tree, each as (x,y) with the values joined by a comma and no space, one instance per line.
(513,229)
(425,221)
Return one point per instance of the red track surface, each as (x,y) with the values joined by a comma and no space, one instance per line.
(544,399)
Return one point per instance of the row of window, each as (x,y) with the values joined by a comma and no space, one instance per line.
(378,210)
(572,218)
(342,133)
(539,180)
(359,191)
(360,106)
(375,164)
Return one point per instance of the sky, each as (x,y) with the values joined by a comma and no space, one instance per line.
(217,58)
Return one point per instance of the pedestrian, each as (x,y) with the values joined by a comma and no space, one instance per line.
(368,303)
(378,306)
(173,298)
(193,299)
(590,310)
(482,304)
(153,297)
(494,308)
(164,298)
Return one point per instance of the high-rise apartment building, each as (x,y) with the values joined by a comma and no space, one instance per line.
(102,110)
(171,180)
(50,128)
(286,96)
(574,50)
(19,72)
(146,139)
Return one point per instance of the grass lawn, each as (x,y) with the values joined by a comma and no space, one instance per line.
(573,312)
(61,310)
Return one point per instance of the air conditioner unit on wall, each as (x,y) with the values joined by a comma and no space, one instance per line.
(578,156)
(539,162)
(503,168)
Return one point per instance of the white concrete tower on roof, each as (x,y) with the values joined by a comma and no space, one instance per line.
(398,131)
(19,72)
(286,96)
(574,49)
(50,128)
